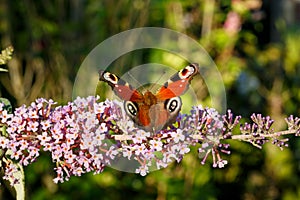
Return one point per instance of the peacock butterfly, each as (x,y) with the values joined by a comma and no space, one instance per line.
(152,111)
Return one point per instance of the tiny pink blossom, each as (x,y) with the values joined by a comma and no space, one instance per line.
(23,144)
(47,147)
(59,178)
(99,107)
(16,154)
(21,127)
(139,149)
(156,145)
(32,126)
(9,174)
(160,164)
(17,119)
(56,133)
(137,139)
(143,134)
(46,124)
(56,153)
(127,153)
(178,136)
(103,127)
(69,156)
(12,145)
(142,170)
(3,142)
(169,157)
(112,152)
(222,163)
(33,151)
(97,158)
(12,129)
(70,138)
(65,148)
(5,116)
(87,143)
(98,138)
(78,171)
(44,138)
(32,114)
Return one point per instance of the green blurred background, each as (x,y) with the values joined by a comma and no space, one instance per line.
(255,44)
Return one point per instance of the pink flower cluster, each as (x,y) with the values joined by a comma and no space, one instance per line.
(209,127)
(86,135)
(64,131)
(260,130)
(82,137)
(293,124)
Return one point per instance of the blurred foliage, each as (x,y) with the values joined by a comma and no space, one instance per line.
(253,44)
(5,56)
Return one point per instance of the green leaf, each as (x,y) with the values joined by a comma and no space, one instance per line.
(7,104)
(20,188)
(3,132)
(158,154)
(98,89)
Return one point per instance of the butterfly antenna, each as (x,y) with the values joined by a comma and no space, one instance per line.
(152,85)
(135,80)
(155,83)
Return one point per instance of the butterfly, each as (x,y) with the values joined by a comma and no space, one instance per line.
(152,112)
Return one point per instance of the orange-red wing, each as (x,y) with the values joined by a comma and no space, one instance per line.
(178,83)
(136,96)
(173,89)
(120,87)
(127,94)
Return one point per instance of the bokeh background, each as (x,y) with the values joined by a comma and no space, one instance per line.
(255,44)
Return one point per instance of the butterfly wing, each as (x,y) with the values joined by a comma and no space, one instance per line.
(152,112)
(178,83)
(120,87)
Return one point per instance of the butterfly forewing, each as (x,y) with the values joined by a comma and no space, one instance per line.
(178,83)
(120,87)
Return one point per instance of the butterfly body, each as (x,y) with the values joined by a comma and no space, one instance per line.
(152,111)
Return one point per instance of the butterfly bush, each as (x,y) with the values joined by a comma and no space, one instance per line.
(86,135)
